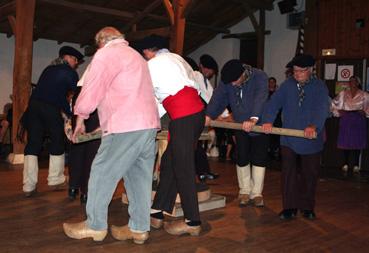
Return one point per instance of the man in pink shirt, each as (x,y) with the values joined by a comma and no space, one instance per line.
(118,84)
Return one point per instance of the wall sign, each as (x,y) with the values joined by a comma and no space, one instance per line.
(344,72)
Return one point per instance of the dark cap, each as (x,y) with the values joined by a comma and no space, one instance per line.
(231,71)
(208,62)
(302,61)
(67,50)
(153,41)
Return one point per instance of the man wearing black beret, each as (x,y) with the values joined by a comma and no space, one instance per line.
(303,100)
(245,90)
(48,99)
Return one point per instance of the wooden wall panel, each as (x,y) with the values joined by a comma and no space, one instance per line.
(337,27)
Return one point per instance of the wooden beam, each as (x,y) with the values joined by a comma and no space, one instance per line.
(170,12)
(124,14)
(142,14)
(7,9)
(246,35)
(189,8)
(178,29)
(133,36)
(259,4)
(25,10)
(11,20)
(261,39)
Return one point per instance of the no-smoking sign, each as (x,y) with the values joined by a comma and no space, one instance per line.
(345,72)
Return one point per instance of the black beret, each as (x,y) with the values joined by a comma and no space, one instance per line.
(208,62)
(302,61)
(153,41)
(67,50)
(231,71)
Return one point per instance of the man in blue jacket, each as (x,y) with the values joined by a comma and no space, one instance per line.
(303,100)
(245,90)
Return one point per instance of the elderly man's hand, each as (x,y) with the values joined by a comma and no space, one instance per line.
(310,132)
(79,129)
(248,124)
(267,128)
(207,120)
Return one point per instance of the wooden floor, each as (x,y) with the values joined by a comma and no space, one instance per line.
(35,224)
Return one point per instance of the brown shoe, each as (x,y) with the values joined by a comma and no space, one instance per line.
(59,187)
(156,223)
(258,201)
(80,230)
(180,227)
(30,193)
(124,233)
(244,199)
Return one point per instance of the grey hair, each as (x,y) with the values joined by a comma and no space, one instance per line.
(58,61)
(107,34)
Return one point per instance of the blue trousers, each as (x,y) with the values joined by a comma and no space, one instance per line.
(129,156)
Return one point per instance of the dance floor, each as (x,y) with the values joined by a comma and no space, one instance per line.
(342,224)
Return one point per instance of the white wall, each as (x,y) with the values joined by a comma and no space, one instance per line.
(44,51)
(280,45)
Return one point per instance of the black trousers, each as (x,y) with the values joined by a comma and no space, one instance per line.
(251,149)
(299,185)
(81,157)
(201,160)
(177,171)
(44,119)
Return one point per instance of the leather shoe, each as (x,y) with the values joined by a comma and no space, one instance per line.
(124,233)
(59,187)
(180,227)
(309,214)
(80,230)
(258,201)
(244,199)
(287,214)
(212,176)
(83,198)
(156,223)
(72,193)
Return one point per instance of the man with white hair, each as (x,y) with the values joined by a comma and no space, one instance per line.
(118,84)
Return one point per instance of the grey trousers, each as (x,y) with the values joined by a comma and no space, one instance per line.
(129,156)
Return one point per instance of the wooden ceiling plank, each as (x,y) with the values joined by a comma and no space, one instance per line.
(259,4)
(11,20)
(188,8)
(170,11)
(142,14)
(6,10)
(90,8)
(137,35)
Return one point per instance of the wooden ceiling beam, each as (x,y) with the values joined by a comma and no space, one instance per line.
(169,8)
(124,14)
(142,14)
(6,10)
(246,35)
(137,35)
(11,20)
(260,4)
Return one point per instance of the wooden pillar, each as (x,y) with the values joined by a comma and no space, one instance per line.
(22,71)
(178,28)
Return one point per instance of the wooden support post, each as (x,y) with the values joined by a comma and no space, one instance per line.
(178,29)
(25,10)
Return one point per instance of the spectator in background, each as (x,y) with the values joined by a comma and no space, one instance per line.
(273,149)
(210,67)
(352,106)
(6,123)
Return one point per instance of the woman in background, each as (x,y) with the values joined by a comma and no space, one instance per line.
(352,106)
